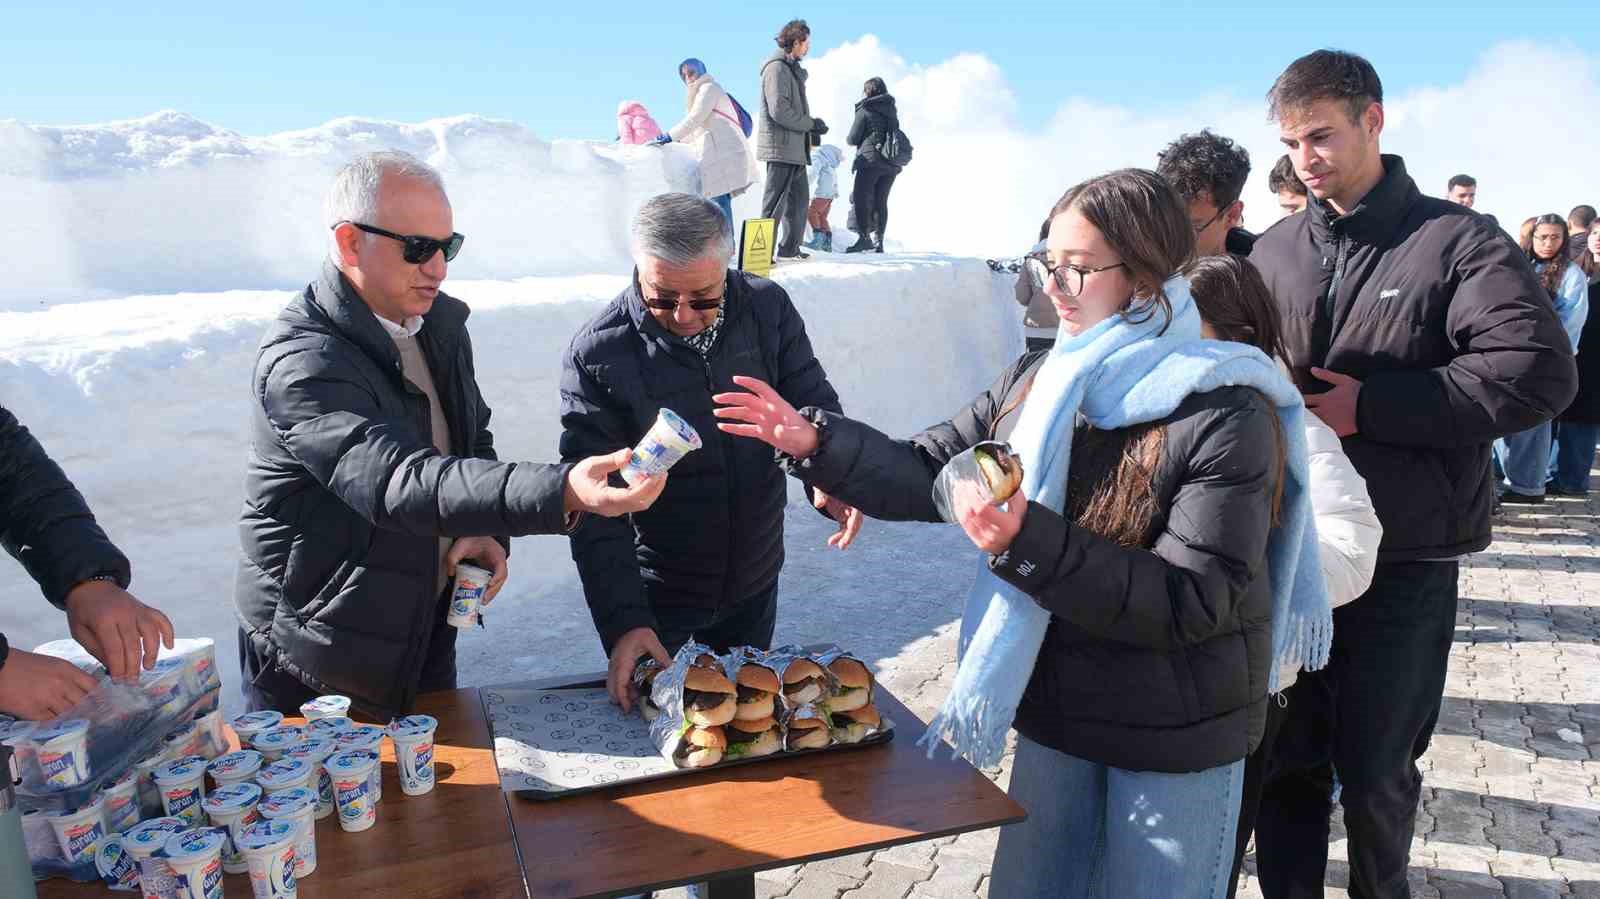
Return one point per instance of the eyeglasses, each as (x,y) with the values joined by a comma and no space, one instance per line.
(1069,278)
(417,249)
(1198,229)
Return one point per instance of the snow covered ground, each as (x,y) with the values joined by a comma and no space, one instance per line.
(142,399)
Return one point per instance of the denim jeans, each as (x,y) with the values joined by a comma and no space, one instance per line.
(1526,458)
(1573,456)
(725,203)
(1098,831)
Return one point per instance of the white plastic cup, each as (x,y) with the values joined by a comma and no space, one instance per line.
(272,743)
(183,789)
(252,723)
(182,742)
(146,843)
(413,752)
(149,795)
(61,750)
(235,767)
(367,737)
(352,788)
(314,752)
(328,727)
(79,831)
(204,665)
(268,849)
(472,584)
(196,860)
(668,440)
(234,809)
(326,707)
(214,740)
(299,807)
(121,799)
(117,868)
(285,774)
(38,835)
(19,736)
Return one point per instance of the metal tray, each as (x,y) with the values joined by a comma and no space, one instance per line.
(555,743)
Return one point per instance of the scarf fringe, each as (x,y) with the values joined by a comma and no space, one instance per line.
(1308,643)
(976,731)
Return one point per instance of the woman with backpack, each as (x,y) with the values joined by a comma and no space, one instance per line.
(876,119)
(1136,593)
(727,166)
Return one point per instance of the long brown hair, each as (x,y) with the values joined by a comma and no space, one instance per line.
(1555,267)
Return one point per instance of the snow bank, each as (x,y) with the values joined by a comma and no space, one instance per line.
(168,203)
(144,401)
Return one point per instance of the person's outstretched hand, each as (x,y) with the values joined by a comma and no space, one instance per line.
(119,630)
(37,687)
(766,416)
(848,517)
(589,490)
(625,656)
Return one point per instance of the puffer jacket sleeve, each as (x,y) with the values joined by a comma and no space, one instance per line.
(890,479)
(45,524)
(1348,530)
(860,127)
(698,118)
(328,418)
(781,93)
(1572,303)
(1513,367)
(593,424)
(483,441)
(1187,586)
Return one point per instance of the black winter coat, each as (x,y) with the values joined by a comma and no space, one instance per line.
(1157,657)
(875,118)
(715,536)
(1455,343)
(45,523)
(346,497)
(1585,407)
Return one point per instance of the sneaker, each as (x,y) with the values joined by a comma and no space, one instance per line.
(797,254)
(1512,497)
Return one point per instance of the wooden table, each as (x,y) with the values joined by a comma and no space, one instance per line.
(469,839)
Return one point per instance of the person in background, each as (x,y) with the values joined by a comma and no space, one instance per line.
(1040,322)
(1525,233)
(1234,305)
(727,167)
(825,163)
(1419,334)
(788,130)
(1208,171)
(1525,456)
(1579,221)
(634,124)
(46,525)
(876,118)
(1286,186)
(1462,190)
(1578,429)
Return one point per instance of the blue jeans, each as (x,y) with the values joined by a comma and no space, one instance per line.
(1573,456)
(1098,831)
(725,203)
(1526,459)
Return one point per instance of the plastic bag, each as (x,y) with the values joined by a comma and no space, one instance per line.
(989,472)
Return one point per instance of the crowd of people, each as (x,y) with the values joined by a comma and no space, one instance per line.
(1224,593)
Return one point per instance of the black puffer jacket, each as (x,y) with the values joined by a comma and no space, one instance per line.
(1455,343)
(875,118)
(715,536)
(346,497)
(1157,656)
(45,523)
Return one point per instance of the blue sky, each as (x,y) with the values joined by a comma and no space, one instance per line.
(264,67)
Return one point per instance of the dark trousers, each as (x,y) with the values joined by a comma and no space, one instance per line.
(750,623)
(1254,774)
(1369,716)
(785,199)
(871,196)
(267,686)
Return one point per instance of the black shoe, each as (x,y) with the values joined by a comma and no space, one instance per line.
(1512,497)
(861,245)
(795,255)
(1553,490)
(877,242)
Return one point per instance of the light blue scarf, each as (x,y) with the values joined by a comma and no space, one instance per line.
(1120,373)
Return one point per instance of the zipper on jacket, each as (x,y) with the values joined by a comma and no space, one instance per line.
(727,581)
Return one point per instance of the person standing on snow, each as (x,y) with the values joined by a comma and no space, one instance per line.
(826,163)
(634,124)
(726,166)
(876,119)
(787,130)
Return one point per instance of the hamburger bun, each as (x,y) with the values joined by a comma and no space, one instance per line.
(713,717)
(855,725)
(808,733)
(867,714)
(701,747)
(799,670)
(1002,470)
(755,710)
(758,677)
(850,672)
(706,737)
(803,682)
(766,744)
(706,680)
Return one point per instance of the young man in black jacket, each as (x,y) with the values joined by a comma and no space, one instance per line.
(1419,335)
(704,561)
(46,525)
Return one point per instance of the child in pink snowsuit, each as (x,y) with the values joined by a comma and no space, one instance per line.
(634,124)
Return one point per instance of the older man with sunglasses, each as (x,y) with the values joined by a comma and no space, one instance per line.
(703,561)
(372,472)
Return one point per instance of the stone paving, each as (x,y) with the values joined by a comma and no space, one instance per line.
(1511,805)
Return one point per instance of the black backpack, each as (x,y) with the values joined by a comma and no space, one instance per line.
(896,148)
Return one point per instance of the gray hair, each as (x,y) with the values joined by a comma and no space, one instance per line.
(681,229)
(354,195)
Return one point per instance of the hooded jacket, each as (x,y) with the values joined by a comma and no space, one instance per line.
(826,163)
(726,164)
(634,124)
(875,118)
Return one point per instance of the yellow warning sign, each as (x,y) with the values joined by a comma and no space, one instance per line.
(755,246)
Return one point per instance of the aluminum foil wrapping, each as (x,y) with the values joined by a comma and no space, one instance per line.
(667,730)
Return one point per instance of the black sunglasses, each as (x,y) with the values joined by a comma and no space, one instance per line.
(667,305)
(417,249)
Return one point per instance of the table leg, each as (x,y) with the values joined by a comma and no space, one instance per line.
(739,886)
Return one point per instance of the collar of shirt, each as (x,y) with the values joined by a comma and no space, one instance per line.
(409,329)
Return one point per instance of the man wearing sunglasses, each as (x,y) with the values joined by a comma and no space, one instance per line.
(704,560)
(372,472)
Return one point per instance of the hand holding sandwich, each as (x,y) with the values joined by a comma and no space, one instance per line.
(625,656)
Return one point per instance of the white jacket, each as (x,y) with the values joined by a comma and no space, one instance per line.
(1348,532)
(726,164)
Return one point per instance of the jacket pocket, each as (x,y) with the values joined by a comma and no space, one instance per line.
(312,573)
